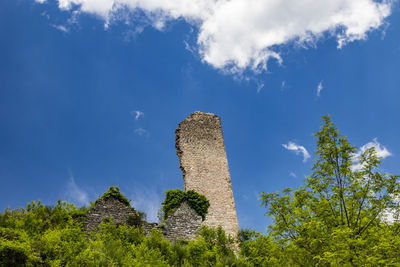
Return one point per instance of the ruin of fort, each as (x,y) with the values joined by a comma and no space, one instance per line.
(201,151)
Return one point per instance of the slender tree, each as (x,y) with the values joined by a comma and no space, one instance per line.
(338,216)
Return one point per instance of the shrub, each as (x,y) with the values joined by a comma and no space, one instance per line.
(134,219)
(174,199)
(17,253)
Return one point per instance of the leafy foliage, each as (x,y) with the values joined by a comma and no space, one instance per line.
(135,219)
(40,234)
(54,236)
(338,216)
(174,199)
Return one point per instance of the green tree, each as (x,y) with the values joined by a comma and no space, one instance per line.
(337,217)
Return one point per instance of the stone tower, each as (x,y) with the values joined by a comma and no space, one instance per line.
(201,151)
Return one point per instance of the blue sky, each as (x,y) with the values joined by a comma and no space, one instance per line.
(91,92)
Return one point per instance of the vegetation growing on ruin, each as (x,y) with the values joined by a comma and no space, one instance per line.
(339,217)
(113,192)
(40,235)
(174,199)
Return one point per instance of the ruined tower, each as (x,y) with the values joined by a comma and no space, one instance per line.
(201,151)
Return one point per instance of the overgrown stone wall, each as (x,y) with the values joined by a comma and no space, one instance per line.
(201,151)
(182,224)
(109,208)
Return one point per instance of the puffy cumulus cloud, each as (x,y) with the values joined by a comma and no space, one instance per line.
(380,150)
(298,149)
(235,35)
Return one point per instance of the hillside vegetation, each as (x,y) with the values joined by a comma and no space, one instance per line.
(341,216)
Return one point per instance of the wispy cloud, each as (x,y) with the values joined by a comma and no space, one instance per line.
(283,85)
(381,151)
(141,132)
(260,86)
(61,28)
(74,193)
(137,114)
(292,174)
(131,34)
(297,149)
(263,25)
(189,48)
(319,89)
(147,200)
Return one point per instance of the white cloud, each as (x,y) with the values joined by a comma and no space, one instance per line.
(392,215)
(60,28)
(235,35)
(137,114)
(74,193)
(40,1)
(298,149)
(319,89)
(292,174)
(381,151)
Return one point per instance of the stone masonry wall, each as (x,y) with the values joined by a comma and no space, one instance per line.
(109,208)
(201,151)
(182,224)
